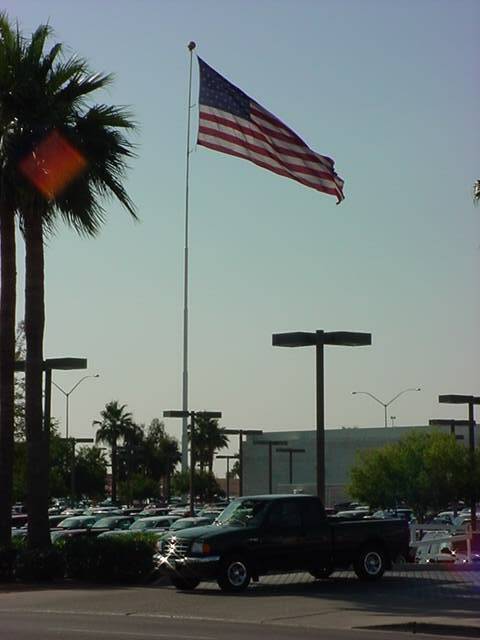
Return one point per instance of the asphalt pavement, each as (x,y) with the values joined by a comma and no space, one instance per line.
(290,606)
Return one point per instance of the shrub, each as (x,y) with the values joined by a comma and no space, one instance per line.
(122,558)
(34,564)
(7,562)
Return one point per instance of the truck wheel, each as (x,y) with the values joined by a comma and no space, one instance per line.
(185,584)
(234,574)
(321,573)
(370,563)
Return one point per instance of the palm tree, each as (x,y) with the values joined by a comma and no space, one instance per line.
(11,52)
(116,423)
(208,439)
(48,98)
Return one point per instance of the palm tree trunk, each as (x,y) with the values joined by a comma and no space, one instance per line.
(8,277)
(114,471)
(37,432)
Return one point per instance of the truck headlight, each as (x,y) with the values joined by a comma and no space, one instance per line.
(201,548)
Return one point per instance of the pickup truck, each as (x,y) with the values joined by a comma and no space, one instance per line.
(257,535)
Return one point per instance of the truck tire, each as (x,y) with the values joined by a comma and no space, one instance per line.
(321,573)
(370,563)
(235,574)
(184,584)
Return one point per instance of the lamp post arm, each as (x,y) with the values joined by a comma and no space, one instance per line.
(80,381)
(59,388)
(401,393)
(367,393)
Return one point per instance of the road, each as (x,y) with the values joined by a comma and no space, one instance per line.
(280,607)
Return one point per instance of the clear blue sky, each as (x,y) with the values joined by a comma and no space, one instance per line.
(390,89)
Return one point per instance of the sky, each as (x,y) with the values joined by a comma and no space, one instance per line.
(390,90)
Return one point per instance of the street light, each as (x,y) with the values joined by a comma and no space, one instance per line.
(228,458)
(290,451)
(385,404)
(192,415)
(65,364)
(270,444)
(470,401)
(240,433)
(318,339)
(67,396)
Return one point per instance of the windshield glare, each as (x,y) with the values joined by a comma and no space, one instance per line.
(243,512)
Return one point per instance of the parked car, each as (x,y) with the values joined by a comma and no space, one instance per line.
(19,521)
(261,534)
(111,522)
(78,522)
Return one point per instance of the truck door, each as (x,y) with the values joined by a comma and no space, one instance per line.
(317,541)
(282,536)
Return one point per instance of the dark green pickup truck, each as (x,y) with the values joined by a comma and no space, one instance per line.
(267,534)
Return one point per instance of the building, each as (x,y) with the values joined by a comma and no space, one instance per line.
(342,445)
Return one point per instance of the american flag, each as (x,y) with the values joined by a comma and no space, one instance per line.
(233,123)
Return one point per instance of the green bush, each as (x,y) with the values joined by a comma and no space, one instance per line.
(7,563)
(122,558)
(33,564)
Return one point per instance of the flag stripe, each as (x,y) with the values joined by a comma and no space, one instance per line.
(241,151)
(262,147)
(245,126)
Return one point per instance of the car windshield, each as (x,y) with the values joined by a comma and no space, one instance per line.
(140,525)
(182,524)
(70,523)
(103,522)
(243,512)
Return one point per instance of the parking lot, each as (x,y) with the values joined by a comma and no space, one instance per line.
(341,603)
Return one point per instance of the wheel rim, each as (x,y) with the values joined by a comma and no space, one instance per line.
(372,563)
(237,574)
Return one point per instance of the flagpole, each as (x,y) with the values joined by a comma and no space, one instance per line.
(191,47)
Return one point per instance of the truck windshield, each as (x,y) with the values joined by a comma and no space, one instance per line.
(243,512)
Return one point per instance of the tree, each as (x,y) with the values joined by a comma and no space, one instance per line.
(425,471)
(19,387)
(162,454)
(209,438)
(205,484)
(476,192)
(90,472)
(116,423)
(11,52)
(50,122)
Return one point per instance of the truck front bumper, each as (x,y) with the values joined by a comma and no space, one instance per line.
(200,567)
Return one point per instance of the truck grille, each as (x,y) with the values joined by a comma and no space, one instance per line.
(175,547)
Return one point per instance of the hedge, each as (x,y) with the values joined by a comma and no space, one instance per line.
(122,558)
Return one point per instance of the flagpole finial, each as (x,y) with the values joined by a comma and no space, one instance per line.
(191,45)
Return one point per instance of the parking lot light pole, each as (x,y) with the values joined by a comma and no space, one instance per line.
(386,404)
(228,458)
(192,414)
(319,339)
(290,452)
(270,444)
(240,433)
(471,401)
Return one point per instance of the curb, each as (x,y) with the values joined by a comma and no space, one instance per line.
(427,628)
(450,567)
